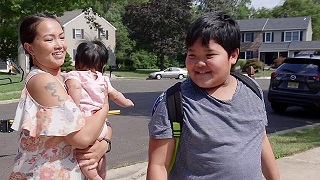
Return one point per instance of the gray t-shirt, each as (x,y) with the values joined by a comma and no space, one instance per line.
(220,139)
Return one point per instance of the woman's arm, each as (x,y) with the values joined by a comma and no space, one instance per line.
(269,166)
(48,91)
(92,155)
(160,154)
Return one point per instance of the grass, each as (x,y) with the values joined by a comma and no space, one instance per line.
(265,73)
(139,73)
(9,86)
(295,141)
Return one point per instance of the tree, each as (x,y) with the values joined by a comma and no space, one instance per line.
(227,6)
(67,64)
(12,11)
(159,26)
(295,8)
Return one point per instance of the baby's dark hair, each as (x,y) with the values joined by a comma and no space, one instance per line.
(91,55)
(216,26)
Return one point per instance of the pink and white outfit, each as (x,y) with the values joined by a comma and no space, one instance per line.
(92,92)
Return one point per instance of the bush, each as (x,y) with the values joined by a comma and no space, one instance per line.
(239,65)
(67,65)
(144,60)
(277,62)
(255,62)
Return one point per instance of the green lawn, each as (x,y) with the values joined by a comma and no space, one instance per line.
(139,73)
(295,141)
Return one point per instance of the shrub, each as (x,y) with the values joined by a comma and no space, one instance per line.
(277,62)
(255,62)
(67,64)
(239,65)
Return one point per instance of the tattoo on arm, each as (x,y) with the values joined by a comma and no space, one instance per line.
(51,86)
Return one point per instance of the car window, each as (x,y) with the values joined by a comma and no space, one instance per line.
(298,68)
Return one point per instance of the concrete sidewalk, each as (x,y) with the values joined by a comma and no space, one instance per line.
(301,166)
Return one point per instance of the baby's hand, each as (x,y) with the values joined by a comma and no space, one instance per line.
(129,103)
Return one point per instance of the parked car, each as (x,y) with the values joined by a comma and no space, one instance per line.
(296,82)
(171,72)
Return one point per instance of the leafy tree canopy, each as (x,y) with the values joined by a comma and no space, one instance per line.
(159,26)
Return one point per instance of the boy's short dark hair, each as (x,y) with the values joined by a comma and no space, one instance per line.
(216,26)
(91,55)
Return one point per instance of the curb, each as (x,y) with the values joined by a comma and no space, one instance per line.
(137,172)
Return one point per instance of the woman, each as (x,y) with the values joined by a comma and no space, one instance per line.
(51,124)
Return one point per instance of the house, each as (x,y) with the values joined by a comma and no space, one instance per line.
(267,38)
(77,29)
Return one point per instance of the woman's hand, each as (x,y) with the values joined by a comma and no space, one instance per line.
(91,155)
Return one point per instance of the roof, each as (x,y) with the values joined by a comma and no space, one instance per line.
(252,24)
(304,45)
(273,24)
(274,46)
(71,15)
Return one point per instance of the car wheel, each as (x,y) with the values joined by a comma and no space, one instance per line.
(180,76)
(278,107)
(158,76)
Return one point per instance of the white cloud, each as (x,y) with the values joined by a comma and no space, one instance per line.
(265,3)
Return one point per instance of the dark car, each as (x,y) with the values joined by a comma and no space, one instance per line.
(296,83)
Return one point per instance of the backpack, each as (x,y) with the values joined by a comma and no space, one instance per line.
(175,111)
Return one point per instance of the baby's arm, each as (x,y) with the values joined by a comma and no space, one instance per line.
(119,99)
(74,90)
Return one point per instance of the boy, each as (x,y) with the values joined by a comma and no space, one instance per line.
(223,135)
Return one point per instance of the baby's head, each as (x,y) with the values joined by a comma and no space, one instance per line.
(91,55)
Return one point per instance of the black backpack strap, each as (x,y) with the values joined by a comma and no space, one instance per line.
(248,82)
(174,107)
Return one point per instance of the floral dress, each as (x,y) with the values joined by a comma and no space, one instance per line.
(43,151)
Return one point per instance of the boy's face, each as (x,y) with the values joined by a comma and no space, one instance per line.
(210,66)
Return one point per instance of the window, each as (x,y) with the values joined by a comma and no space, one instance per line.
(268,37)
(78,34)
(103,34)
(249,54)
(291,36)
(74,51)
(248,37)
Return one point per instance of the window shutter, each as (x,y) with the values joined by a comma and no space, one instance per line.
(74,33)
(282,36)
(82,33)
(301,35)
(272,37)
(107,35)
(242,37)
(252,36)
(263,37)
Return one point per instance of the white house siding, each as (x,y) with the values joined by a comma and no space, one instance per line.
(80,22)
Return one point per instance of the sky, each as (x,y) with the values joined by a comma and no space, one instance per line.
(265,3)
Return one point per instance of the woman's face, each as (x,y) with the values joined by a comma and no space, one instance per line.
(49,47)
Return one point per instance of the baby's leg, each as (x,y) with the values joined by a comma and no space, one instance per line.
(102,167)
(91,174)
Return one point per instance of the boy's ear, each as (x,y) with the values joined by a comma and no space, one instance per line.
(234,56)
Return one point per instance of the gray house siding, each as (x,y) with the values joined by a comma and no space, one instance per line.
(299,29)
